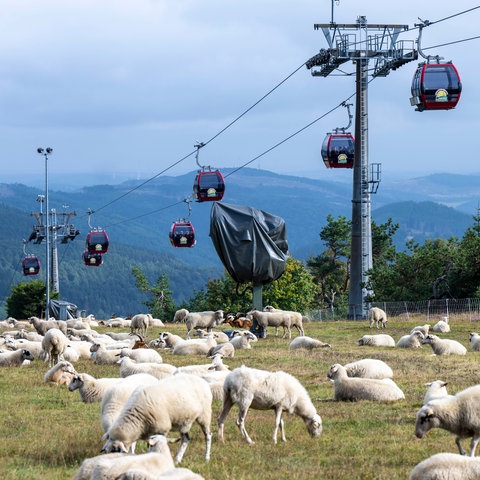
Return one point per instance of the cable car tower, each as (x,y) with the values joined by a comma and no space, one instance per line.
(361,43)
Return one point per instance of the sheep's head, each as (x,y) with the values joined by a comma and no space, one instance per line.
(114,446)
(426,420)
(314,425)
(429,339)
(332,373)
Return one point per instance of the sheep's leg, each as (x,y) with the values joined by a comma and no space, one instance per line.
(459,445)
(227,405)
(183,446)
(279,423)
(242,413)
(473,444)
(208,445)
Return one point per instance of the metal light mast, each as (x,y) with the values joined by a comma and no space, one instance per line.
(360,43)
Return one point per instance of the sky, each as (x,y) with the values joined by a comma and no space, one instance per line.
(126,88)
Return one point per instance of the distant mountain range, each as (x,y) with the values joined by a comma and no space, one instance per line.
(138,220)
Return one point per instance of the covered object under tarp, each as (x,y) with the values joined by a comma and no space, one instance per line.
(252,244)
(62,310)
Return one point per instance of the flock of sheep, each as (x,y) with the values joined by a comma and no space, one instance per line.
(151,398)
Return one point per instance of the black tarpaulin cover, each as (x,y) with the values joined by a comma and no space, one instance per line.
(252,244)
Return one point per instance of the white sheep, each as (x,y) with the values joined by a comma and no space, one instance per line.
(174,403)
(103,356)
(413,340)
(296,318)
(354,388)
(226,350)
(442,326)
(42,326)
(26,335)
(178,473)
(380,340)
(369,368)
(140,323)
(444,346)
(447,466)
(195,347)
(421,328)
(436,389)
(272,319)
(207,319)
(377,316)
(54,344)
(169,339)
(34,347)
(307,343)
(82,348)
(142,355)
(114,465)
(89,388)
(242,340)
(220,337)
(60,374)
(264,390)
(158,370)
(119,335)
(15,358)
(475,341)
(458,414)
(180,315)
(216,364)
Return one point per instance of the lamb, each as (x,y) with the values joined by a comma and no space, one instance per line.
(475,341)
(60,374)
(353,388)
(114,465)
(243,340)
(140,323)
(194,347)
(103,356)
(174,403)
(180,315)
(413,340)
(369,368)
(91,389)
(54,344)
(238,321)
(377,316)
(423,328)
(444,346)
(158,370)
(15,358)
(307,343)
(264,390)
(207,319)
(458,414)
(436,389)
(142,355)
(442,326)
(447,466)
(377,340)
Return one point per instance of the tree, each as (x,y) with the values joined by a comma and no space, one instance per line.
(27,299)
(160,304)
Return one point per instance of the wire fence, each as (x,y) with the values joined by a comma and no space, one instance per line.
(469,308)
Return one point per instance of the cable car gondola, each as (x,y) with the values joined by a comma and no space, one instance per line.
(97,241)
(92,259)
(182,234)
(338,150)
(209,185)
(31,265)
(435,86)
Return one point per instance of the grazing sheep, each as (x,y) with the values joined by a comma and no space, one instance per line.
(142,355)
(207,319)
(475,342)
(354,388)
(243,340)
(226,350)
(91,389)
(458,414)
(15,358)
(369,368)
(114,465)
(381,340)
(54,344)
(442,326)
(60,374)
(308,343)
(158,370)
(263,390)
(413,340)
(195,347)
(140,323)
(103,356)
(444,346)
(447,466)
(174,403)
(296,318)
(436,389)
(377,316)
(271,319)
(180,315)
(422,328)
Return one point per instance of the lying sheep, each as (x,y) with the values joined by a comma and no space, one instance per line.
(444,346)
(458,414)
(60,374)
(178,473)
(158,370)
(89,388)
(34,347)
(15,358)
(215,364)
(263,390)
(413,340)
(377,316)
(243,340)
(103,356)
(195,347)
(54,344)
(82,348)
(447,466)
(174,403)
(207,319)
(220,337)
(142,355)
(354,388)
(307,343)
(140,323)
(369,368)
(475,342)
(377,341)
(226,350)
(436,389)
(169,340)
(442,326)
(238,321)
(26,335)
(422,328)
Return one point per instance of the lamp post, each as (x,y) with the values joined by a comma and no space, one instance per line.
(46,152)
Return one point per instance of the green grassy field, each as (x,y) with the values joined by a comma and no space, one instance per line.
(46,432)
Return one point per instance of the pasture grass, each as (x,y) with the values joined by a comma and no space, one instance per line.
(46,432)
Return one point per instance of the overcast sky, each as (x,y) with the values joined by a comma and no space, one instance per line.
(127,87)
